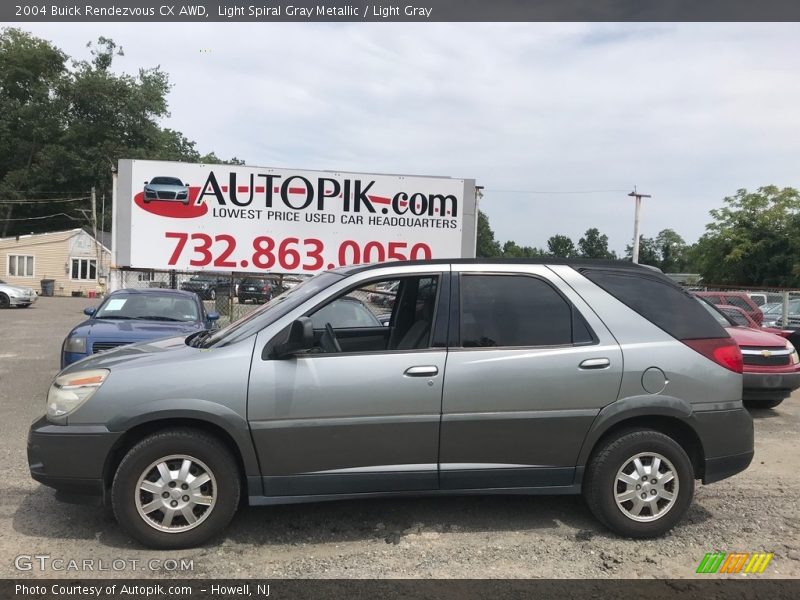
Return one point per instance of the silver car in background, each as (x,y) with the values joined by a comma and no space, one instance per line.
(15,295)
(492,377)
(169,189)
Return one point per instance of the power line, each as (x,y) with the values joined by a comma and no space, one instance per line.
(45,217)
(490,190)
(44,200)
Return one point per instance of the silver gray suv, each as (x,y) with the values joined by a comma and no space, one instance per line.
(535,377)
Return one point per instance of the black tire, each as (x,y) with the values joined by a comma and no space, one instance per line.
(4,301)
(199,446)
(763,403)
(600,483)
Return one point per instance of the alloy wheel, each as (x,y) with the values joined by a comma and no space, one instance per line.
(646,487)
(175,493)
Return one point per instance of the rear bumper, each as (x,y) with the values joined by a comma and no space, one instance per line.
(254,296)
(727,440)
(768,386)
(726,466)
(70,458)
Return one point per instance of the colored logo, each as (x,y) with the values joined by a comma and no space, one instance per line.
(734,562)
(168,196)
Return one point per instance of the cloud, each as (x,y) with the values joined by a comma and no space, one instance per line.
(688,112)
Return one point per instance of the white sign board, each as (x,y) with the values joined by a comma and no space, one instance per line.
(186,216)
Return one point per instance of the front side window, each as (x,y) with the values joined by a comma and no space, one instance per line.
(511,310)
(83,269)
(20,265)
(391,314)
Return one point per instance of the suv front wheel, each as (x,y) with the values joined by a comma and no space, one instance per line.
(639,484)
(176,489)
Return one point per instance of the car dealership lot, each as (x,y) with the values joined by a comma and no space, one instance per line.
(515,536)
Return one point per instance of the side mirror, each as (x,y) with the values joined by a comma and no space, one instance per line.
(146,182)
(301,337)
(213,316)
(89,311)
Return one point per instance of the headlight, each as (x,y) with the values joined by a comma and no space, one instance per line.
(75,344)
(793,357)
(68,392)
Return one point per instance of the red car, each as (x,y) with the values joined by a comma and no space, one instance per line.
(739,299)
(771,364)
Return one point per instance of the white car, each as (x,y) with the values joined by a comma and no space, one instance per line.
(14,295)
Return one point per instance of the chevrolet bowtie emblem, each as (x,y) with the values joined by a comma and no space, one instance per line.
(766,353)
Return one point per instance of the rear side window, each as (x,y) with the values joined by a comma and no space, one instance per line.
(661,302)
(509,310)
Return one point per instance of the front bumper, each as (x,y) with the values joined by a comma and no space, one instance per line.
(727,440)
(22,300)
(70,458)
(768,386)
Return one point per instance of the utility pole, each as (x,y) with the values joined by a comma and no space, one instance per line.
(638,209)
(94,230)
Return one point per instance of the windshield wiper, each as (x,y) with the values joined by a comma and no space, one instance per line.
(157,318)
(114,317)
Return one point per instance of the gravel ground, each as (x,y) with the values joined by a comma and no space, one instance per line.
(536,537)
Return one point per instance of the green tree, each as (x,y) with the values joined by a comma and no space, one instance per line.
(64,124)
(561,246)
(648,252)
(672,250)
(486,246)
(31,116)
(753,239)
(593,244)
(512,250)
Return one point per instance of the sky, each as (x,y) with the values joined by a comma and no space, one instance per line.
(557,121)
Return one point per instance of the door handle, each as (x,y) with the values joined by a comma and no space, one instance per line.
(595,363)
(428,371)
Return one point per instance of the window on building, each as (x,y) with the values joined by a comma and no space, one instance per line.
(83,268)
(20,265)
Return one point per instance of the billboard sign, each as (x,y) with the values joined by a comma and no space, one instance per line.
(188,216)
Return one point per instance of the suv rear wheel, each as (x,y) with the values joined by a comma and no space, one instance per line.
(176,489)
(639,484)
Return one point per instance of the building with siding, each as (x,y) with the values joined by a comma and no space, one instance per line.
(73,259)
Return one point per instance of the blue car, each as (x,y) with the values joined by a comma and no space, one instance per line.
(130,316)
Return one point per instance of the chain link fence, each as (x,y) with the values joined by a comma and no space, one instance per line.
(754,306)
(234,295)
(219,291)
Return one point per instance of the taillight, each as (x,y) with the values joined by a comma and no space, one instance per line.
(723,351)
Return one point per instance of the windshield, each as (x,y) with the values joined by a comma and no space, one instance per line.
(271,311)
(777,308)
(154,307)
(165,181)
(721,319)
